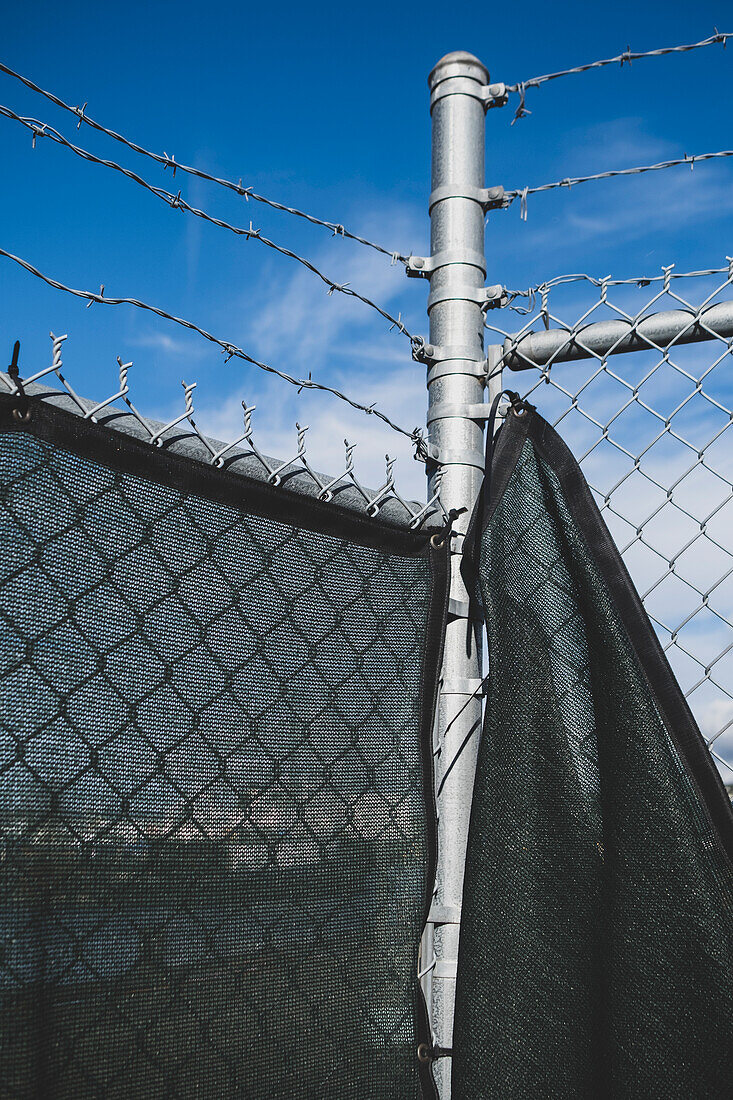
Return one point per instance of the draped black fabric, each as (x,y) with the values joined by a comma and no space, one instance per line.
(216,817)
(597,926)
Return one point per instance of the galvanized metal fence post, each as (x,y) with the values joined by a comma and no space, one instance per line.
(457,271)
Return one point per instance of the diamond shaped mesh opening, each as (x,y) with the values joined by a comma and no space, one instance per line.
(214,791)
(651,430)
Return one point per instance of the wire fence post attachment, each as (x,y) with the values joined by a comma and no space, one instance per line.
(456,370)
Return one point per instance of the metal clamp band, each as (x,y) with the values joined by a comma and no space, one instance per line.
(445,968)
(462,360)
(421,267)
(435,353)
(473,368)
(489,95)
(459,609)
(484,296)
(442,409)
(459,458)
(462,687)
(488,198)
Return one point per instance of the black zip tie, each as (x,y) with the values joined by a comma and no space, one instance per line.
(22,410)
(439,538)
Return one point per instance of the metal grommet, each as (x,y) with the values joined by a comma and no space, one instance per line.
(23,417)
(521,412)
(424,1053)
(436,542)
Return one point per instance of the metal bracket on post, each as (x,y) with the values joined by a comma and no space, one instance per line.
(488,198)
(442,409)
(444,914)
(422,267)
(442,361)
(488,95)
(488,297)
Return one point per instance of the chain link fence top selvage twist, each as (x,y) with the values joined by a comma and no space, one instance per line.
(230,351)
(243,454)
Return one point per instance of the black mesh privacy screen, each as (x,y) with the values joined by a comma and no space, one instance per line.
(597,927)
(216,837)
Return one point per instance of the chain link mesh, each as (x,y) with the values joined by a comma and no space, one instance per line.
(214,832)
(651,430)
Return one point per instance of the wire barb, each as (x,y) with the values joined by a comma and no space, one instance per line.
(176,202)
(622,59)
(231,350)
(169,162)
(521,193)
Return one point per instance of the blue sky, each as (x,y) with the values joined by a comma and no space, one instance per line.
(326,108)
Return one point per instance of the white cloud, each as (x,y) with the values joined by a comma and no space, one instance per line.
(295,325)
(297,318)
(275,433)
(169,345)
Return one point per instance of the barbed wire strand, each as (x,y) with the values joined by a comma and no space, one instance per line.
(230,350)
(522,192)
(622,59)
(637,281)
(336,228)
(176,202)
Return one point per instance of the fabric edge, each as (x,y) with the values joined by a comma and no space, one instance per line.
(673,706)
(127,453)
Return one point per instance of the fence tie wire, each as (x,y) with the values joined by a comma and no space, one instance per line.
(416,436)
(336,229)
(176,202)
(625,58)
(523,192)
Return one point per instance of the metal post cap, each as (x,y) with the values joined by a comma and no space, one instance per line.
(458,63)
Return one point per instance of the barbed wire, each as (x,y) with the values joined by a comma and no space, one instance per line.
(336,228)
(176,202)
(230,350)
(523,192)
(622,59)
(638,281)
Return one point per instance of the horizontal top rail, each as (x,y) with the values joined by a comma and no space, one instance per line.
(602,338)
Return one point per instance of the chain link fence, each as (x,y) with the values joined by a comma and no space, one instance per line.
(216,822)
(651,430)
